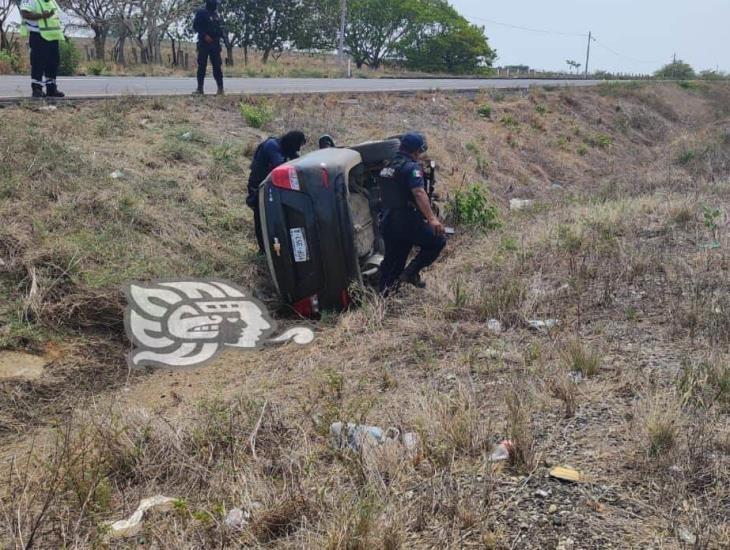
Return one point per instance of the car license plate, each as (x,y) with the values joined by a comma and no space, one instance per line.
(299,245)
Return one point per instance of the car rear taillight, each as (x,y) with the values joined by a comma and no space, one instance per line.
(325,178)
(285,177)
(308,307)
(345,298)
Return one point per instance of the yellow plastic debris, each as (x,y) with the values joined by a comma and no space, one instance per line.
(566,474)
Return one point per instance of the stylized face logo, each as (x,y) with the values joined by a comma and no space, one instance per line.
(187,323)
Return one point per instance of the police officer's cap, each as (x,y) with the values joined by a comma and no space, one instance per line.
(413,142)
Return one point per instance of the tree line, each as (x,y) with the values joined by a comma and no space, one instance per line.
(427,35)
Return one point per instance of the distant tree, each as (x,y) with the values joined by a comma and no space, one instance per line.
(574,65)
(318,27)
(713,75)
(124,18)
(375,29)
(149,22)
(276,21)
(240,19)
(95,15)
(678,70)
(441,40)
(6,9)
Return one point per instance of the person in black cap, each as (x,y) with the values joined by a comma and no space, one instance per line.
(271,153)
(408,219)
(208,25)
(326,142)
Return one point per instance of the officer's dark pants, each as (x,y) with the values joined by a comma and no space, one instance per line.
(44,58)
(257,227)
(402,230)
(214,53)
(252,201)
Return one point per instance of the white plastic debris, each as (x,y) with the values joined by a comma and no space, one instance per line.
(186,136)
(501,452)
(48,108)
(132,526)
(686,536)
(494,325)
(237,519)
(576,377)
(544,324)
(116,175)
(411,442)
(357,436)
(520,204)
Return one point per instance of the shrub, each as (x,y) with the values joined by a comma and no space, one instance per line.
(485,111)
(255,116)
(8,62)
(96,68)
(686,157)
(678,70)
(472,207)
(509,121)
(70,58)
(602,141)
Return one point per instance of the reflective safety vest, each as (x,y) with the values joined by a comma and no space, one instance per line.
(50,27)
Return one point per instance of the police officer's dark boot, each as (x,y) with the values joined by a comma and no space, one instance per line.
(37,91)
(52,90)
(199,91)
(412,277)
(220,91)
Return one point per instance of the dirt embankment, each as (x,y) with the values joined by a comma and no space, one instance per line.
(625,245)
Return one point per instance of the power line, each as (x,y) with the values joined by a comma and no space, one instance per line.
(614,52)
(529,29)
(590,37)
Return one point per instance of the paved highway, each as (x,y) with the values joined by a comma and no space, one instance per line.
(16,87)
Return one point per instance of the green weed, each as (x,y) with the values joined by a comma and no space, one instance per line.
(582,359)
(255,116)
(485,111)
(472,207)
(509,121)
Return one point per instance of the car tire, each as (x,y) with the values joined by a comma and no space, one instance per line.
(377,152)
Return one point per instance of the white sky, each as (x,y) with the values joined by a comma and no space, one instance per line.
(645,32)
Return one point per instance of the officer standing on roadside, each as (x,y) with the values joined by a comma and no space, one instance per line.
(42,26)
(208,25)
(408,219)
(271,153)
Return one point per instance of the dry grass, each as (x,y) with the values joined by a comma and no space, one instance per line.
(612,249)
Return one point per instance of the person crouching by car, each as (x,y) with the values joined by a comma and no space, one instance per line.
(408,220)
(271,153)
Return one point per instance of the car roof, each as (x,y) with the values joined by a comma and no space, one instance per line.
(334,158)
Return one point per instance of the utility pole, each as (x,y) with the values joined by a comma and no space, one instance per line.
(674,66)
(343,25)
(588,53)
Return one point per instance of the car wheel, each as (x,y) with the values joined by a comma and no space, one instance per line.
(377,152)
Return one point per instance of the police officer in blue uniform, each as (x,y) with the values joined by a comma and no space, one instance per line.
(408,220)
(271,153)
(208,25)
